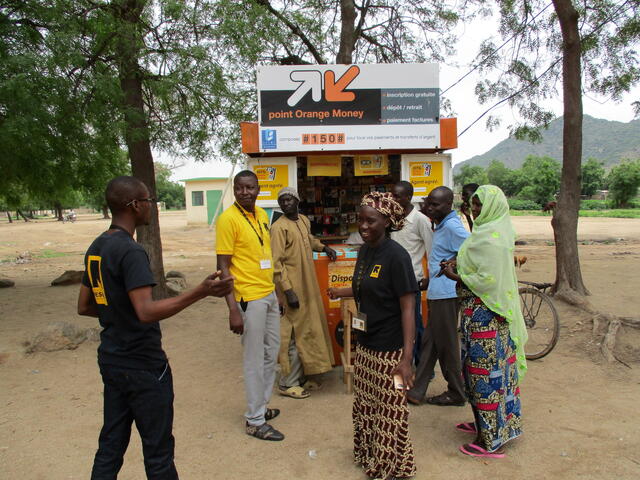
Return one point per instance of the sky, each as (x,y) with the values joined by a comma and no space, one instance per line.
(477,140)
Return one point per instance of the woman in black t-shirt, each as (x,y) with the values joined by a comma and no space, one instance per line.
(384,288)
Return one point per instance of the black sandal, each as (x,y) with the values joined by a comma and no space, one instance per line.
(264,432)
(271,413)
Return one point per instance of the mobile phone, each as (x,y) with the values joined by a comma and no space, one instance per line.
(439,274)
(398,382)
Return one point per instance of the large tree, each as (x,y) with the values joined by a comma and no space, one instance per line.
(344,31)
(133,73)
(569,47)
(48,137)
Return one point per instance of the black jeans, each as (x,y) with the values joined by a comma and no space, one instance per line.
(143,396)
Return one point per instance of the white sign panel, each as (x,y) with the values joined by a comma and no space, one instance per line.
(348,107)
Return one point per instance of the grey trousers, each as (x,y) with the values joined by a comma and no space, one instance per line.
(440,342)
(261,342)
(296,371)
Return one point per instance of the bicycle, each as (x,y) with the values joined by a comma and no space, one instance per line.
(541,319)
(69,217)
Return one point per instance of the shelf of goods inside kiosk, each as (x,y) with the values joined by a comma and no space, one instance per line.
(335,274)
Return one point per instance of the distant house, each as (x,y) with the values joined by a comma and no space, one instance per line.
(202,196)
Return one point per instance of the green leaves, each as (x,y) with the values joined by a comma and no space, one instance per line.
(624,181)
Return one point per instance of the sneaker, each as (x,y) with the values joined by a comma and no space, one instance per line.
(264,432)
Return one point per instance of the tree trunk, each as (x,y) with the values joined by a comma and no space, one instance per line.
(137,131)
(105,212)
(58,209)
(565,216)
(20,214)
(9,216)
(347,34)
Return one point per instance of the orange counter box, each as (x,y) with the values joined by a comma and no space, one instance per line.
(335,274)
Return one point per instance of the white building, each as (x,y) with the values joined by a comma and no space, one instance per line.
(202,196)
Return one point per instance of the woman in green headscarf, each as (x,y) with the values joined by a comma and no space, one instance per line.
(493,329)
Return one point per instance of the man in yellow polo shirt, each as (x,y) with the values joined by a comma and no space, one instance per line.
(243,248)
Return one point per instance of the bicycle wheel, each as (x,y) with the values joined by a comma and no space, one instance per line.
(542,321)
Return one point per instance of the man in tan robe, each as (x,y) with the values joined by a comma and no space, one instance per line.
(305,347)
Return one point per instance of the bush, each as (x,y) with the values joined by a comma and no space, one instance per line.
(635,203)
(624,181)
(594,205)
(523,204)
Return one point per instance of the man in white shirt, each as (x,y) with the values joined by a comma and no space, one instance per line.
(415,237)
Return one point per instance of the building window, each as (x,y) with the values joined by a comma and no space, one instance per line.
(197,198)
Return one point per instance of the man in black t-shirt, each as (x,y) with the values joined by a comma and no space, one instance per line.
(138,385)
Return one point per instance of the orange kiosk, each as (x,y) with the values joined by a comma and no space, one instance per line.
(334,140)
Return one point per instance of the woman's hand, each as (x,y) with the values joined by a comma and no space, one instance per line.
(404,370)
(338,292)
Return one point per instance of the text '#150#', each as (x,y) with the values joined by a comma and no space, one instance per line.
(322,138)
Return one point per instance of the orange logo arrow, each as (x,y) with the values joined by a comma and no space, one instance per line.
(334,91)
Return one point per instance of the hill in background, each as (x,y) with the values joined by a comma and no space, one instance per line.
(603,140)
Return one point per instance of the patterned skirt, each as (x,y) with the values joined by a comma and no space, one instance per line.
(490,373)
(381,442)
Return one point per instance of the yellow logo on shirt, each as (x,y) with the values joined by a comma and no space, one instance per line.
(375,271)
(95,278)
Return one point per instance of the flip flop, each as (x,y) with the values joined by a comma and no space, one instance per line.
(474,450)
(294,392)
(311,385)
(467,427)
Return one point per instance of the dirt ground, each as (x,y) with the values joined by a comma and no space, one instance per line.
(580,414)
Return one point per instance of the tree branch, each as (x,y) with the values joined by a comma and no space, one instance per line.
(295,29)
(513,95)
(375,42)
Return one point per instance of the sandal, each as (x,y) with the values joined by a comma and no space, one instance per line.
(467,427)
(477,451)
(294,392)
(271,413)
(264,432)
(311,385)
(445,400)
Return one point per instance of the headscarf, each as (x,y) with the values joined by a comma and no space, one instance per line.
(289,191)
(485,265)
(384,203)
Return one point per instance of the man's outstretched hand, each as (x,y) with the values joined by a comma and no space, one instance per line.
(216,286)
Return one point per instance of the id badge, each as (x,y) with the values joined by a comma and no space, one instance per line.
(359,322)
(265,264)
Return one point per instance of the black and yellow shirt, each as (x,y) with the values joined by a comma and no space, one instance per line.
(384,274)
(114,265)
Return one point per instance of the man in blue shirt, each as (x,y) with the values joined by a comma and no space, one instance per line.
(440,341)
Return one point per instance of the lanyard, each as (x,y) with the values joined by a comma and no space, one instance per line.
(259,235)
(363,268)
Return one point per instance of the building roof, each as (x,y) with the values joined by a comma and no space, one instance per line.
(202,179)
